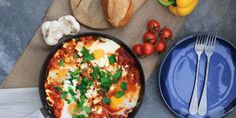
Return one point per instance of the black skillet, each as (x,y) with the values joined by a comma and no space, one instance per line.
(47,110)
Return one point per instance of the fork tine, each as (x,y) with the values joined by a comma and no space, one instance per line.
(207,40)
(213,40)
(214,43)
(210,40)
(203,39)
(198,39)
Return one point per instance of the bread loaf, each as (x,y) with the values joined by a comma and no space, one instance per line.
(118,12)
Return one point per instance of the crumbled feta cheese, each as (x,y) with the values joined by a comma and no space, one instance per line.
(83,66)
(91,92)
(97,100)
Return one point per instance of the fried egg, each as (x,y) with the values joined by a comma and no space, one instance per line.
(102,49)
(128,101)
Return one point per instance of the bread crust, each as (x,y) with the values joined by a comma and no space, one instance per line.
(120,19)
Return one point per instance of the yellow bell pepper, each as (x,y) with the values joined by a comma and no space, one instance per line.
(180,7)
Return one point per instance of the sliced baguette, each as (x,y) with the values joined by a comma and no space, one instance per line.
(118,12)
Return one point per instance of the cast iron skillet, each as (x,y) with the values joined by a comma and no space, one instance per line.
(47,110)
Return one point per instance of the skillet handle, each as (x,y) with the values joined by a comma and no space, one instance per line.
(44,112)
(40,113)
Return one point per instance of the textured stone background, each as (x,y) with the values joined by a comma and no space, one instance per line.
(20,18)
(210,16)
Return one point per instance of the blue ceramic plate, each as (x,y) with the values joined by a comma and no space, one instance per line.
(177,74)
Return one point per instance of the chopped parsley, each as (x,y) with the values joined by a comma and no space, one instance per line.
(85,81)
(71,81)
(64,94)
(78,116)
(74,73)
(75,56)
(62,62)
(68,101)
(106,101)
(105,80)
(86,56)
(105,83)
(117,76)
(58,88)
(112,59)
(82,97)
(71,91)
(102,73)
(87,109)
(95,72)
(119,94)
(123,86)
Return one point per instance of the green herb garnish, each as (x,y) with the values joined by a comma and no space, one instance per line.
(68,101)
(74,73)
(70,90)
(117,76)
(102,73)
(119,94)
(95,72)
(75,56)
(64,94)
(85,81)
(62,62)
(112,59)
(75,116)
(82,97)
(58,88)
(105,80)
(71,81)
(123,86)
(86,56)
(86,108)
(78,116)
(106,100)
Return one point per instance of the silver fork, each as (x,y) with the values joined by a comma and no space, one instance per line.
(199,47)
(209,50)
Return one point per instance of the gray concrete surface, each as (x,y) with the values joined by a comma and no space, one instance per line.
(210,16)
(19,20)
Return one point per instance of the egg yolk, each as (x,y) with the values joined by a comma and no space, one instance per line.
(71,108)
(116,102)
(61,74)
(98,53)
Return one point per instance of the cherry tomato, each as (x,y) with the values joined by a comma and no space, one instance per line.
(165,33)
(153,26)
(161,46)
(137,49)
(147,49)
(149,38)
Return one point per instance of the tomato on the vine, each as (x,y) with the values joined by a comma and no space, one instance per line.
(137,49)
(165,34)
(149,38)
(153,26)
(147,49)
(160,46)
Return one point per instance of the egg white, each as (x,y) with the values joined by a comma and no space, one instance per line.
(108,46)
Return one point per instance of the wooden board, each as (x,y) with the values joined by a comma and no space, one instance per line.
(26,71)
(90,12)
